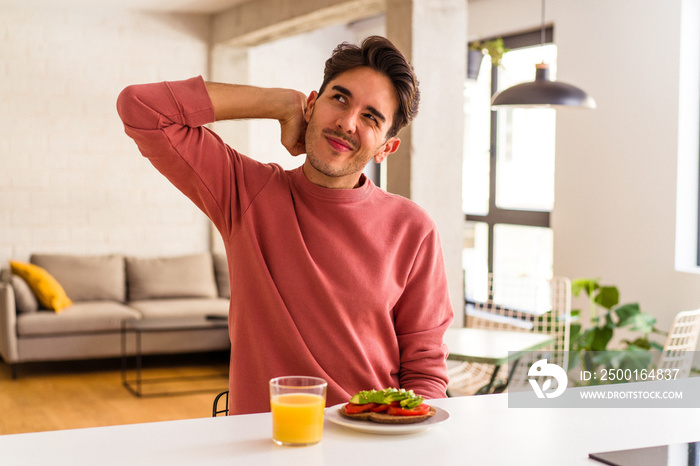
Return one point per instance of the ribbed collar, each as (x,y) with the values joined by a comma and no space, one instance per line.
(331,195)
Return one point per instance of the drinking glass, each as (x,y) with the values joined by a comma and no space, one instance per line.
(297,404)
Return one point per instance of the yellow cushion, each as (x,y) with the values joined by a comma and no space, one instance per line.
(49,292)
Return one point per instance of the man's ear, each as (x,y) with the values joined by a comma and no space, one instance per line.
(390,146)
(310,102)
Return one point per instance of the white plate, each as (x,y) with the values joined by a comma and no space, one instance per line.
(333,415)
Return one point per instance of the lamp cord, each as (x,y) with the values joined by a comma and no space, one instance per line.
(542,27)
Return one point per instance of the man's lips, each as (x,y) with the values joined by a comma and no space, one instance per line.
(338,143)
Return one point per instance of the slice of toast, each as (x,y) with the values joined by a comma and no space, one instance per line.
(384,418)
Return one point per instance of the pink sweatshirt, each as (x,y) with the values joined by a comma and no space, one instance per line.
(347,285)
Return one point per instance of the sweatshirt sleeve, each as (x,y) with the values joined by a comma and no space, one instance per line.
(166,120)
(422,315)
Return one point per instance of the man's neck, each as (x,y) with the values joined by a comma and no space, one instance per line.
(332,182)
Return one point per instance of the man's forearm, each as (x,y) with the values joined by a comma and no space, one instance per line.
(237,102)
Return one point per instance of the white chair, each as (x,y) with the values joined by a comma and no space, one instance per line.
(518,304)
(681,343)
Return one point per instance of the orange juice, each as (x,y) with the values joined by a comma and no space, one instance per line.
(297,418)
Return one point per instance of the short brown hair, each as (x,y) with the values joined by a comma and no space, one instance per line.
(379,54)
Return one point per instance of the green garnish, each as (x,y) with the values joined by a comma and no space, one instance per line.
(406,398)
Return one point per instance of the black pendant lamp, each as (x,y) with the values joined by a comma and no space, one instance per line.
(543,92)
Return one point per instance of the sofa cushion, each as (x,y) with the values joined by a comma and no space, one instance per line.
(87,278)
(190,276)
(81,317)
(185,307)
(221,270)
(25,299)
(47,289)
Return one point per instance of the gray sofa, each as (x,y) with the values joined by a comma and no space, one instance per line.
(106,290)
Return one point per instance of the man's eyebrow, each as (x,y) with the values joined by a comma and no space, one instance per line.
(342,90)
(370,108)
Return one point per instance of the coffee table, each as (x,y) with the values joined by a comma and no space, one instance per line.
(148,326)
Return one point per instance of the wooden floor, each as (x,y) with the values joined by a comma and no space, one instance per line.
(70,395)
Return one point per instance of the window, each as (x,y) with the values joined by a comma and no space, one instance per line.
(508,170)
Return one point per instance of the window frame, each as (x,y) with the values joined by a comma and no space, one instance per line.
(497,215)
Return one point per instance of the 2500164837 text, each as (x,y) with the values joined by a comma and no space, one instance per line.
(629,375)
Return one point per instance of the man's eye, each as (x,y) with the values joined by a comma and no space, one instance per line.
(371,117)
(340,98)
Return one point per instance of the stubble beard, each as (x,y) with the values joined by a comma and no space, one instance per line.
(316,136)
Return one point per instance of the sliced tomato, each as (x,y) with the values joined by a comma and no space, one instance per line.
(379,408)
(352,408)
(417,411)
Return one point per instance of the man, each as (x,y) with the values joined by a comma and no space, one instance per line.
(330,276)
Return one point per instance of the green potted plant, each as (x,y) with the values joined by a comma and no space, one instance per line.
(493,48)
(606,317)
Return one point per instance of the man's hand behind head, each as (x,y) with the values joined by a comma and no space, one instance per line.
(293,124)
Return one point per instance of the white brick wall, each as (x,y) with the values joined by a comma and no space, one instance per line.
(70,179)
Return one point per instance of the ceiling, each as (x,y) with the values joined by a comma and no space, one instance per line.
(175,6)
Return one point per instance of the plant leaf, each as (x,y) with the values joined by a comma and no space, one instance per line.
(607,297)
(574,337)
(636,359)
(589,285)
(644,323)
(656,346)
(626,314)
(631,315)
(639,343)
(633,358)
(597,338)
(608,320)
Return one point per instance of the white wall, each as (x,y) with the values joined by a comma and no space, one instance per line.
(615,208)
(70,179)
(616,166)
(491,18)
(688,144)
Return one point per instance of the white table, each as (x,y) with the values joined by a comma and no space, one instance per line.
(496,347)
(482,431)
(491,346)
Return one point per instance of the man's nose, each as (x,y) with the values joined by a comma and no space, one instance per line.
(347,121)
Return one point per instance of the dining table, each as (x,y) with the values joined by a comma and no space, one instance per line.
(495,347)
(478,430)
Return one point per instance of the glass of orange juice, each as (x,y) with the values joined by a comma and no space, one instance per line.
(297,404)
